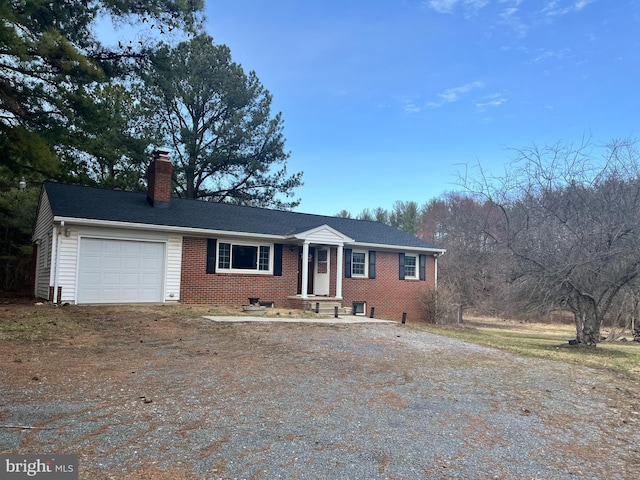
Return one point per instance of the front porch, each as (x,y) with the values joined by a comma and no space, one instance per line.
(320,269)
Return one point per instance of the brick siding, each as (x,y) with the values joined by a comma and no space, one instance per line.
(197,286)
(389,295)
(386,293)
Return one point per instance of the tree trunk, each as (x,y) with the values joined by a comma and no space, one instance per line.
(591,329)
(587,321)
(579,322)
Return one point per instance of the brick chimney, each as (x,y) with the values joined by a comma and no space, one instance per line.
(159,180)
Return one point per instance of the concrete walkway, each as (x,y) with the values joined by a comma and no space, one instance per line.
(342,319)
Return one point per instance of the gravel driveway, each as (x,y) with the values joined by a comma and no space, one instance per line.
(192,398)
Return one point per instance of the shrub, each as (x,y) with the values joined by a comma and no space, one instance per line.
(440,306)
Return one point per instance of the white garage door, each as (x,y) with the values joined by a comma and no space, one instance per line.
(120,271)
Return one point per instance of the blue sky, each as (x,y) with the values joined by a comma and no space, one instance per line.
(387,100)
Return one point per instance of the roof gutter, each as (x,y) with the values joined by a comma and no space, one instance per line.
(402,248)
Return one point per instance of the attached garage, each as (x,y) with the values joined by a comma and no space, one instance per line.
(120,271)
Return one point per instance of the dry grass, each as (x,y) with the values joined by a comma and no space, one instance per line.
(544,340)
(25,320)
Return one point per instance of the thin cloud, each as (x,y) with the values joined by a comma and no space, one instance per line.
(509,12)
(412,108)
(492,100)
(582,4)
(409,104)
(555,8)
(442,6)
(552,54)
(510,16)
(452,95)
(448,6)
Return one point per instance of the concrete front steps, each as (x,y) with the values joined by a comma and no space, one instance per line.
(321,305)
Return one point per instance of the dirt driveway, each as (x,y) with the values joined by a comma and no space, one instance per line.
(161,393)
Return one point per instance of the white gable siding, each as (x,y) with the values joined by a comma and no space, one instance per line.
(43,270)
(43,238)
(174,268)
(44,222)
(324,235)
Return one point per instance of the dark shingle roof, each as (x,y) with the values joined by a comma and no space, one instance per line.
(73,201)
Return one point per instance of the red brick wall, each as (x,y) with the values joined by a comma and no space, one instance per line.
(197,286)
(389,295)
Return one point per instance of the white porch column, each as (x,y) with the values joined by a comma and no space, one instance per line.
(339,272)
(305,270)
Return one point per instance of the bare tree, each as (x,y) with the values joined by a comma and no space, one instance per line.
(470,269)
(572,227)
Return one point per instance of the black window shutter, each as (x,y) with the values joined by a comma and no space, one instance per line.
(347,263)
(423,267)
(401,266)
(211,255)
(372,264)
(277,260)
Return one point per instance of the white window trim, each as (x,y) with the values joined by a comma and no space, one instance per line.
(244,270)
(366,264)
(417,267)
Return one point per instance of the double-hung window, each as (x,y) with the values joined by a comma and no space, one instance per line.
(410,266)
(244,258)
(359,264)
